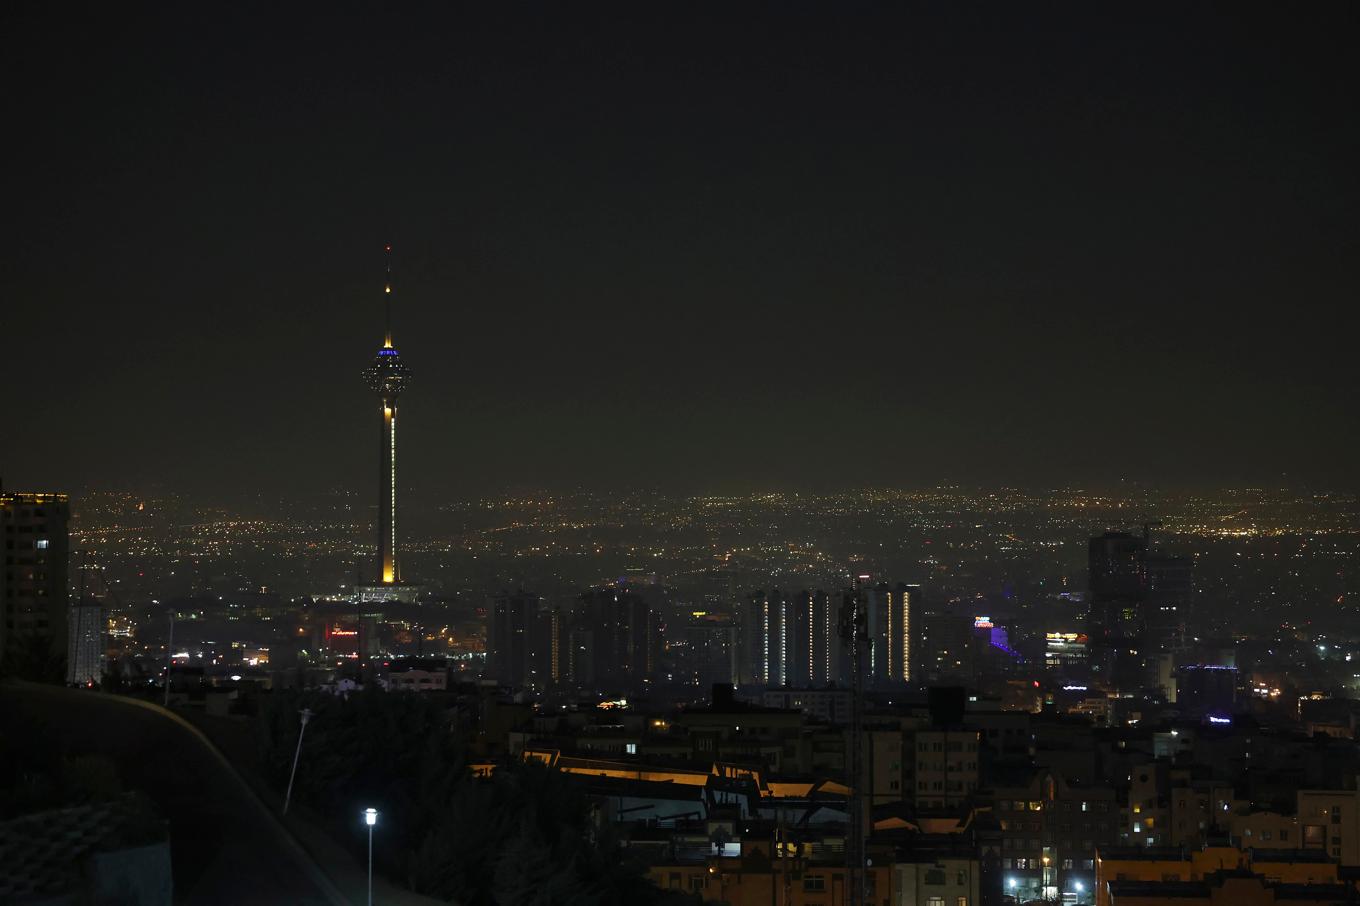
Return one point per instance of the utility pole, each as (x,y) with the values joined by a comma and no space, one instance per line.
(288,796)
(854,632)
(169,655)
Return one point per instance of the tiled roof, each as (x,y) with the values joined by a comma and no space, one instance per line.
(42,853)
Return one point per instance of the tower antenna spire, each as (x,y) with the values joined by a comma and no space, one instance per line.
(387,297)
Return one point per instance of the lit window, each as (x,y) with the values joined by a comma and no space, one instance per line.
(41,544)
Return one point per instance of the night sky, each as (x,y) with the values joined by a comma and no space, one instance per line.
(699,246)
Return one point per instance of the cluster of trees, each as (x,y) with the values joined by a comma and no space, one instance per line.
(523,836)
(31,656)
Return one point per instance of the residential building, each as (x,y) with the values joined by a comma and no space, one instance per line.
(1050,832)
(85,644)
(1329,820)
(946,762)
(33,583)
(1174,865)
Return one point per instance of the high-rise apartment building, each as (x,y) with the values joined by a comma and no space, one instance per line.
(815,655)
(793,639)
(893,624)
(524,641)
(764,638)
(709,649)
(1166,608)
(33,589)
(1118,585)
(85,649)
(1139,602)
(613,640)
(789,639)
(944,634)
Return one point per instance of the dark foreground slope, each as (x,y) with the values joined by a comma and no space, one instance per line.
(225,846)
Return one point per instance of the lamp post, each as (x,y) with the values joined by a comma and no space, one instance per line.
(288,796)
(370,818)
(169,656)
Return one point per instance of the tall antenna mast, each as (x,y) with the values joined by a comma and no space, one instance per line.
(855,637)
(387,298)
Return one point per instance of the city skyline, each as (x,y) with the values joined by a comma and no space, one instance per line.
(858,454)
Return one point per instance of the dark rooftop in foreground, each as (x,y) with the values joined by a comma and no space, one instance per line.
(49,854)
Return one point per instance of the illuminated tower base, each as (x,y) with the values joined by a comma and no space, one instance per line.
(387,509)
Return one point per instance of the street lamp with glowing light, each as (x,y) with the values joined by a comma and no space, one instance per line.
(370,818)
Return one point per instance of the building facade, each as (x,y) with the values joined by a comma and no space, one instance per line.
(33,583)
(85,649)
(521,636)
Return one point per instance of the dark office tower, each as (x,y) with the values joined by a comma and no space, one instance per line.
(615,639)
(33,582)
(581,655)
(753,616)
(388,377)
(892,613)
(814,649)
(1118,584)
(1166,609)
(520,643)
(710,651)
(945,640)
(1206,690)
(1138,605)
(1118,589)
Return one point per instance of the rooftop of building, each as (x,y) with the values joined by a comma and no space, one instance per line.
(634,788)
(1195,890)
(43,852)
(430,664)
(30,498)
(1314,856)
(1203,889)
(1183,854)
(1324,892)
(1143,854)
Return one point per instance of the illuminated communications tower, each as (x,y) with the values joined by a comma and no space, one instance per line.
(387,377)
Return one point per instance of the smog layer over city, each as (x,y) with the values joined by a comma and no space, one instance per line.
(794,454)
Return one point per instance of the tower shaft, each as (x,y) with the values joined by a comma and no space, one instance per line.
(387,508)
